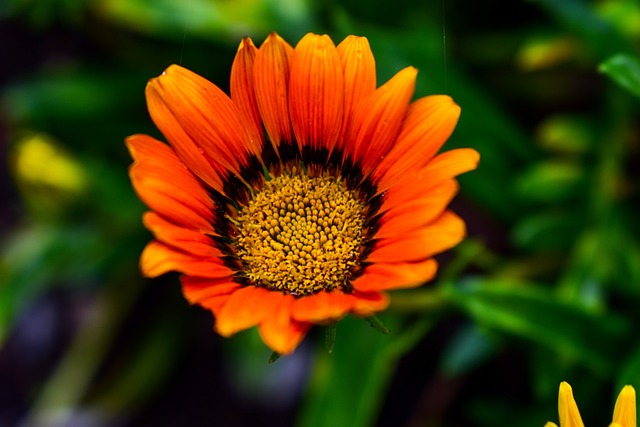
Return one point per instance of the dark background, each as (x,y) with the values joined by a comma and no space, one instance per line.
(544,289)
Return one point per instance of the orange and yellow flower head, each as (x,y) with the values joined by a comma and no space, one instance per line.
(304,196)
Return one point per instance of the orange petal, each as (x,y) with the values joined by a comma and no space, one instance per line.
(442,234)
(197,289)
(279,331)
(243,92)
(327,307)
(624,412)
(157,259)
(247,307)
(271,79)
(192,242)
(165,185)
(189,153)
(442,168)
(359,68)
(367,304)
(323,307)
(567,408)
(451,163)
(416,213)
(214,303)
(377,119)
(428,124)
(185,106)
(316,93)
(387,276)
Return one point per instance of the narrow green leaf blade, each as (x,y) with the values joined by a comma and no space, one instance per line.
(378,325)
(330,337)
(274,356)
(536,314)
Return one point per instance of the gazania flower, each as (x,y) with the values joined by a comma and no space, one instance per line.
(303,197)
(624,413)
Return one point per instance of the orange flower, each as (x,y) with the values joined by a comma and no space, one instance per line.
(304,196)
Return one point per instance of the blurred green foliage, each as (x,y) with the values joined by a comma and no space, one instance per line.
(545,289)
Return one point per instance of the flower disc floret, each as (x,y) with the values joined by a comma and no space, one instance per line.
(300,234)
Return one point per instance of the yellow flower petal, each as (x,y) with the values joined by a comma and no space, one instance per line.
(624,413)
(567,408)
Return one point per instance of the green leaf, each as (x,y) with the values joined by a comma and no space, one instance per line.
(142,368)
(535,314)
(378,325)
(274,356)
(566,134)
(347,387)
(204,18)
(40,256)
(625,70)
(330,337)
(551,181)
(580,17)
(71,379)
(548,230)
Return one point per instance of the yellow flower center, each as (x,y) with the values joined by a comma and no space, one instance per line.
(300,234)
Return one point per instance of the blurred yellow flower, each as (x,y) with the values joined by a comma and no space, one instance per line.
(40,161)
(624,413)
